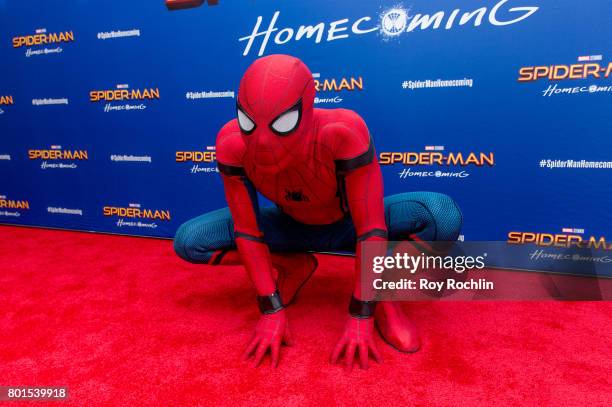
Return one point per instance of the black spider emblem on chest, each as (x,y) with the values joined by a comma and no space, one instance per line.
(295,195)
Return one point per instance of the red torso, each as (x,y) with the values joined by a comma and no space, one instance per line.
(307,189)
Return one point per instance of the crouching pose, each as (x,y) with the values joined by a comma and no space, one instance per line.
(320,169)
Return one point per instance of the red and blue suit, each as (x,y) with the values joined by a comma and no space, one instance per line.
(319,168)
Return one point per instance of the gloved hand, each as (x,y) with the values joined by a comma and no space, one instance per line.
(270,332)
(358,335)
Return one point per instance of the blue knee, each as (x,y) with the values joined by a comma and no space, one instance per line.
(187,247)
(447,215)
(197,240)
(429,215)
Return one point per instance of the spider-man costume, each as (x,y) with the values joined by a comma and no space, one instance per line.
(320,169)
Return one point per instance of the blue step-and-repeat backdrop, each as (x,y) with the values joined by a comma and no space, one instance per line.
(109,109)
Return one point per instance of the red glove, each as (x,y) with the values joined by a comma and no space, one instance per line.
(270,332)
(358,335)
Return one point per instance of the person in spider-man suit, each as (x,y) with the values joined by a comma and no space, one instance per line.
(320,169)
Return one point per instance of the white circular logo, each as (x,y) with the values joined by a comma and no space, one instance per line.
(394,22)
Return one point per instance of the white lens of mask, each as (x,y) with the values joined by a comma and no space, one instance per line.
(245,123)
(286,122)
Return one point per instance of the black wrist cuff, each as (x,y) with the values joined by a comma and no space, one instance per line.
(270,304)
(362,309)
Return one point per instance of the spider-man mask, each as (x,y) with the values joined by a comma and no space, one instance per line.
(275,109)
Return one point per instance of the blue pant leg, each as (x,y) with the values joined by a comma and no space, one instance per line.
(430,216)
(197,239)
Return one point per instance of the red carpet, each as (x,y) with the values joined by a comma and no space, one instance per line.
(123,321)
